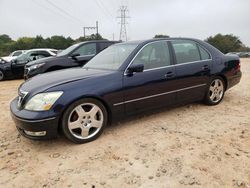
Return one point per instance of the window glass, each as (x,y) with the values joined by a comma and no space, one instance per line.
(17,53)
(185,51)
(204,54)
(104,45)
(87,49)
(23,58)
(68,50)
(112,57)
(154,55)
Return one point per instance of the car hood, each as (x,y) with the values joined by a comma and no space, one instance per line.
(43,60)
(6,59)
(42,82)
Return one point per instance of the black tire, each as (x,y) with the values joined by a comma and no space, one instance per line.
(218,91)
(75,135)
(1,75)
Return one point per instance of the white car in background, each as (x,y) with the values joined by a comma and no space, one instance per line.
(13,55)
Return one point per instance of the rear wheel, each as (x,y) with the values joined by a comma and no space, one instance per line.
(215,92)
(84,120)
(1,75)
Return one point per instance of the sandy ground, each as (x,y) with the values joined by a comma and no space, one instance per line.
(188,146)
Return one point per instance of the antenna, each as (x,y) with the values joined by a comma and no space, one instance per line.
(123,32)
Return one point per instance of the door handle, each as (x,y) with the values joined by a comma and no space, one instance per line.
(205,68)
(169,75)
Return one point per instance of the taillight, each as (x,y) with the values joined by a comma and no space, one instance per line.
(237,68)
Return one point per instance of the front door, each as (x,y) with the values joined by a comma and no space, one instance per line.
(86,52)
(155,85)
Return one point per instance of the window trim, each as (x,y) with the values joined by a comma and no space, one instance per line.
(197,45)
(171,61)
(172,53)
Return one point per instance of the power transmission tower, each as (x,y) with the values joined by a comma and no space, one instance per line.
(89,28)
(123,32)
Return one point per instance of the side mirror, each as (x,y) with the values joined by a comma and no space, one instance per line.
(74,56)
(135,68)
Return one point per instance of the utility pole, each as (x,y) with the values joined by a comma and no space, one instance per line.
(91,28)
(123,31)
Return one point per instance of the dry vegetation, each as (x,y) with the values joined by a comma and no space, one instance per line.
(189,146)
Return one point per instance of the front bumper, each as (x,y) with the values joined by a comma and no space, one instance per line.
(27,123)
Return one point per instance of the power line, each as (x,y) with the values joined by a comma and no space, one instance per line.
(64,12)
(49,9)
(123,31)
(101,7)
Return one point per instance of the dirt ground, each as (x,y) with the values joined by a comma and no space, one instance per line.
(188,146)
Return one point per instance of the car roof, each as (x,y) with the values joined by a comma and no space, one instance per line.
(39,49)
(159,39)
(97,41)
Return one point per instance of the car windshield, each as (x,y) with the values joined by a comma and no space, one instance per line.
(112,57)
(68,50)
(23,57)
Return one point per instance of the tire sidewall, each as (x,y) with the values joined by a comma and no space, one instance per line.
(1,79)
(67,113)
(207,97)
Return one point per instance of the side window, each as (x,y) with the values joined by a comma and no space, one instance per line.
(17,53)
(87,49)
(204,54)
(104,45)
(154,55)
(185,51)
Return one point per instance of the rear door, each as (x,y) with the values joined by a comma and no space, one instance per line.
(193,65)
(153,87)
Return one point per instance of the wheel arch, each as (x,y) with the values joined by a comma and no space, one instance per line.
(105,104)
(224,79)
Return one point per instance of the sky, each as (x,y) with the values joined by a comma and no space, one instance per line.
(176,18)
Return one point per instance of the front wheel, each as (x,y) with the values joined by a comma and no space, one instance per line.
(1,75)
(84,120)
(215,91)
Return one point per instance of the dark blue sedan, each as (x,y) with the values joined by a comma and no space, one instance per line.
(124,79)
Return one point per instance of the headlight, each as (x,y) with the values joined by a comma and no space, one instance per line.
(42,101)
(36,66)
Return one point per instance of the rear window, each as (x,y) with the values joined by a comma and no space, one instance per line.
(185,51)
(204,54)
(189,51)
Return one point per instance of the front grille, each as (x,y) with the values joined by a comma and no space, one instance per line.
(21,97)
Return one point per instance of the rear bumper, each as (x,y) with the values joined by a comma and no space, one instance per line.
(235,79)
(27,125)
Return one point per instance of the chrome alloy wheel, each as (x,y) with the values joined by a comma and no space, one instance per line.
(85,121)
(216,90)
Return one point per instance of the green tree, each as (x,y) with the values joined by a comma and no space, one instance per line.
(225,43)
(5,39)
(161,36)
(7,45)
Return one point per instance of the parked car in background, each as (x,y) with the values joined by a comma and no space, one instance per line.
(240,54)
(75,56)
(15,67)
(122,80)
(13,55)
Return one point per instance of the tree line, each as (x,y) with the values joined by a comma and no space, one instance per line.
(8,45)
(225,43)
